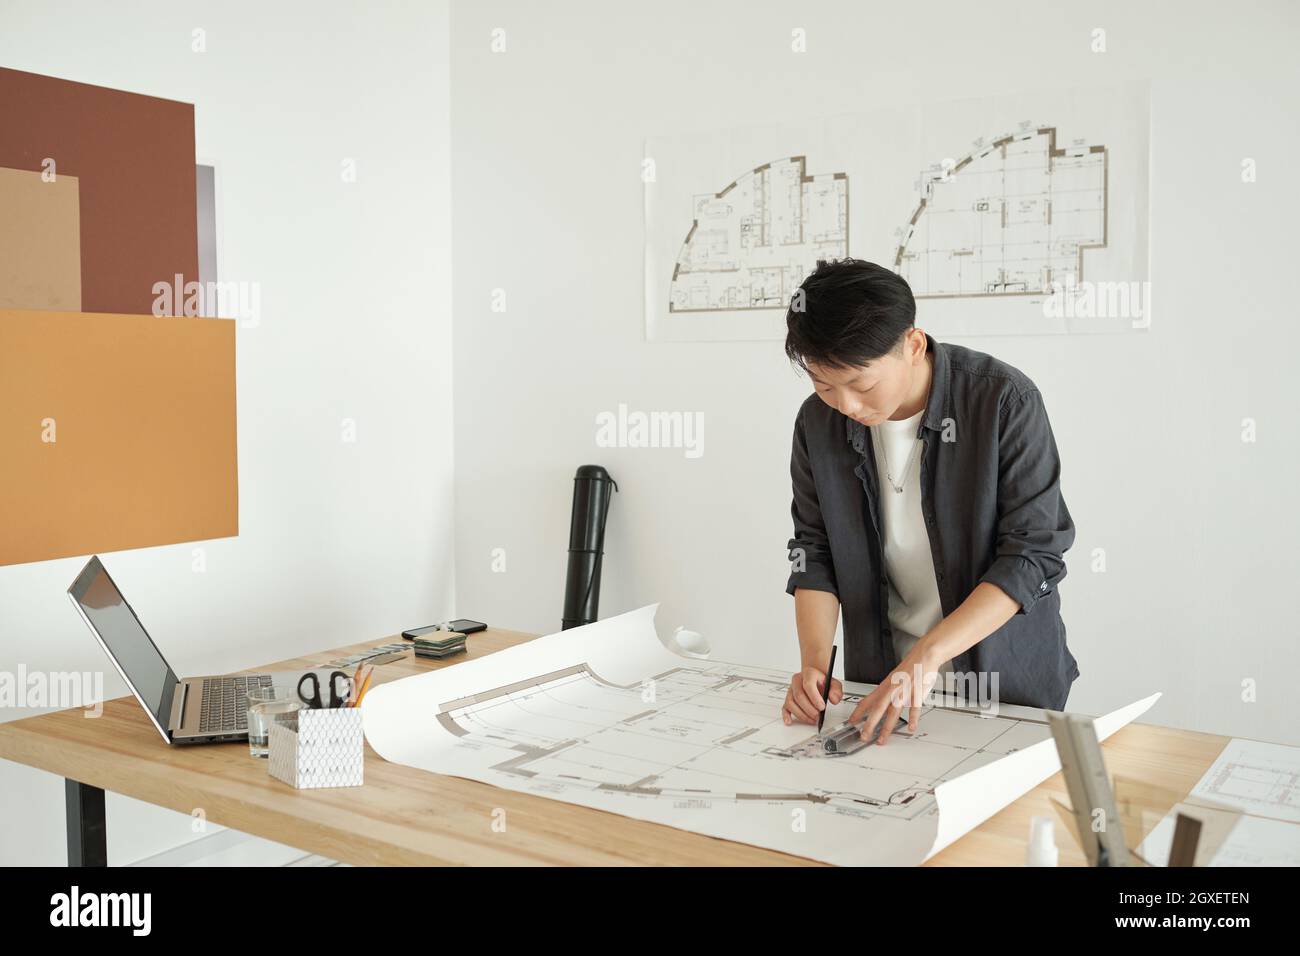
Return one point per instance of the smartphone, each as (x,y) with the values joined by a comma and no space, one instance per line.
(462,625)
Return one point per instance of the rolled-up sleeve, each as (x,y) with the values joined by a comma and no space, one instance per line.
(1034,528)
(809,549)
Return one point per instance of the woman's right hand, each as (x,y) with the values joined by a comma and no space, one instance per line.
(804,701)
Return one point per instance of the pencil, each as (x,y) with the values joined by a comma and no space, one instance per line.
(365,686)
(826,690)
(356,686)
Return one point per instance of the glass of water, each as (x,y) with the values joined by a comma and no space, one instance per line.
(265,704)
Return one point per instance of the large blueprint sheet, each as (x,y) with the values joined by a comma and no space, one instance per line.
(606,716)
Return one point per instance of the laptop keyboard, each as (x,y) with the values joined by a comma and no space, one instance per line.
(225,702)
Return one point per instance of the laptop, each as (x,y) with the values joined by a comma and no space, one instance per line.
(190,710)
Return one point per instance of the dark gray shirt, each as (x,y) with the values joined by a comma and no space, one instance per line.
(991,499)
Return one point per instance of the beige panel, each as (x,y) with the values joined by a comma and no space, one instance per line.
(40,242)
(142,412)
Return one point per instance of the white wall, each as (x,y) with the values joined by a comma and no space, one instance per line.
(1199,529)
(338,542)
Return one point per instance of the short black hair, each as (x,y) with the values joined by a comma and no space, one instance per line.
(848,313)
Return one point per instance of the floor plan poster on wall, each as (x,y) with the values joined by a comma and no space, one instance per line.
(1009,215)
(606,716)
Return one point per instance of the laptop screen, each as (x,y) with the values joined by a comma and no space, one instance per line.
(126,641)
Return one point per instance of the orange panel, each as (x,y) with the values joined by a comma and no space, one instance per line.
(141,411)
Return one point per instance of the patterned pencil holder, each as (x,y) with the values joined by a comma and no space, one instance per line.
(324,749)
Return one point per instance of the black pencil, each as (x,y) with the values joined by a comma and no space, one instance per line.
(826,690)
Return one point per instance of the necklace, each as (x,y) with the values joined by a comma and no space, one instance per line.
(884,448)
(907,467)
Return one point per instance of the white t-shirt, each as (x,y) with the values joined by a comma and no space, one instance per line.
(914,605)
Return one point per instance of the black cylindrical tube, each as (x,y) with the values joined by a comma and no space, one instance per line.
(592,490)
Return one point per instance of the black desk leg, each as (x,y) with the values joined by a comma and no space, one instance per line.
(87,834)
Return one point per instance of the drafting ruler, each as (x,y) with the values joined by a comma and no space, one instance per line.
(846,738)
(1090,794)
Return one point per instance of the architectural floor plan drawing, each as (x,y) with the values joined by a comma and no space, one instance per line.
(1011,218)
(1248,804)
(607,717)
(1019,214)
(750,245)
(713,731)
(1257,778)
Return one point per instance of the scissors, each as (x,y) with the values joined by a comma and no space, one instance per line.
(313,700)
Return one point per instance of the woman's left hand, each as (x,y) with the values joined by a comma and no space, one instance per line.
(905,688)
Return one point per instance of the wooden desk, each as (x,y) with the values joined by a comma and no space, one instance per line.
(407,816)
